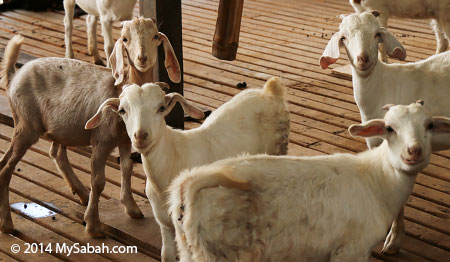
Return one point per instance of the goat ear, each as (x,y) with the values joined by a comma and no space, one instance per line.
(331,53)
(441,125)
(96,119)
(172,98)
(116,61)
(393,47)
(171,61)
(375,127)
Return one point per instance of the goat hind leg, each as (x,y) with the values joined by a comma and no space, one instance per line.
(107,37)
(69,6)
(20,143)
(58,153)
(126,169)
(91,216)
(91,23)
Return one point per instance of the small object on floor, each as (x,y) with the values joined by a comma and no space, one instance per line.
(241,85)
(25,206)
(53,218)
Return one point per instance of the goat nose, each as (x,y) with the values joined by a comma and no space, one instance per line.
(140,135)
(362,59)
(415,150)
(142,58)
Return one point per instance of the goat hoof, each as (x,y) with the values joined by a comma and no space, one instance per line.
(391,246)
(95,231)
(136,214)
(390,250)
(84,197)
(7,228)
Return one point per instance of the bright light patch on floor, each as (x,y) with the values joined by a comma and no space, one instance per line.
(33,210)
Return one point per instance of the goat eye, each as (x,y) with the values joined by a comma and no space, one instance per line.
(122,111)
(430,126)
(377,35)
(389,129)
(343,38)
(156,37)
(124,39)
(162,109)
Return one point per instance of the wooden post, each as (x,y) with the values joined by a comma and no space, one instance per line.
(168,17)
(228,26)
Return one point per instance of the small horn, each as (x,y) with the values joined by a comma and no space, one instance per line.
(164,86)
(375,13)
(341,16)
(420,101)
(387,107)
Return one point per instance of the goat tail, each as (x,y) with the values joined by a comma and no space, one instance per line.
(187,186)
(274,88)
(8,65)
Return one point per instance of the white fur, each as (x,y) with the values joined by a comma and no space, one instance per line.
(376,83)
(381,83)
(437,10)
(254,121)
(324,208)
(109,11)
(56,96)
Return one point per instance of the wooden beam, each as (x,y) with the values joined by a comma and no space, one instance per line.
(228,26)
(168,17)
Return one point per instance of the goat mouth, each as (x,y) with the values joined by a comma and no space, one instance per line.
(143,67)
(365,67)
(140,146)
(411,162)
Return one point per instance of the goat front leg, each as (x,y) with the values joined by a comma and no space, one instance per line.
(108,39)
(157,200)
(383,18)
(91,216)
(91,22)
(59,155)
(169,249)
(395,237)
(69,6)
(126,169)
(20,143)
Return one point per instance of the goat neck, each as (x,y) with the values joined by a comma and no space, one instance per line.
(137,77)
(391,186)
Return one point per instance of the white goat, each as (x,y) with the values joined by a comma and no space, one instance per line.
(437,10)
(376,83)
(56,96)
(254,121)
(324,208)
(109,11)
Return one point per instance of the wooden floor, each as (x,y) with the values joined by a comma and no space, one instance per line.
(284,38)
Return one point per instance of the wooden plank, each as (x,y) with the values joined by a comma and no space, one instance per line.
(343,72)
